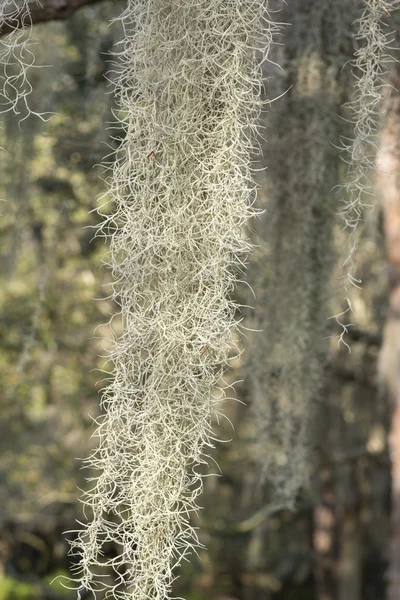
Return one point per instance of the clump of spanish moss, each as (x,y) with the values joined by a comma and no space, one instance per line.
(370,65)
(295,254)
(188,89)
(16,57)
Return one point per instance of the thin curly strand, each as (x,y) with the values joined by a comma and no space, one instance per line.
(16,58)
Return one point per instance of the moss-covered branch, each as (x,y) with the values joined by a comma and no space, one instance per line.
(46,10)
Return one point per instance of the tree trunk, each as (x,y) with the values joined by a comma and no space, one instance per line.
(389,185)
(394,569)
(44,11)
(350,573)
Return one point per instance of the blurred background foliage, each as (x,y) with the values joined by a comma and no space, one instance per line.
(335,543)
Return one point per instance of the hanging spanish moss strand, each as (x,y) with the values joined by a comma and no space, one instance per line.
(295,246)
(370,65)
(189,88)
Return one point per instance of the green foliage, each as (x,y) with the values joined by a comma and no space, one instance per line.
(12,589)
(50,278)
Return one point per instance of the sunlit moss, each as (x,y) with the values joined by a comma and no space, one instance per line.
(181,190)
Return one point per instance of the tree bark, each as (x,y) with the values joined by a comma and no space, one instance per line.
(46,10)
(394,569)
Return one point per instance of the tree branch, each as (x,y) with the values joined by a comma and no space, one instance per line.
(44,11)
